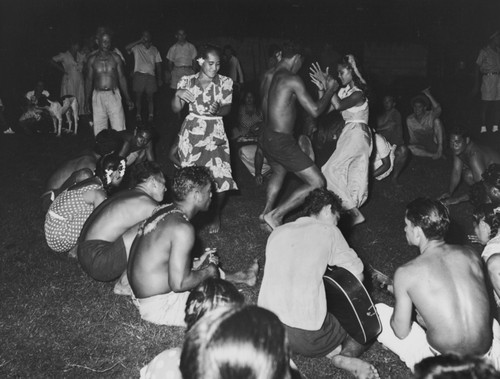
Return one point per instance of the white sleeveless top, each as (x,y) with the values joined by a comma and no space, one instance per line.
(358,113)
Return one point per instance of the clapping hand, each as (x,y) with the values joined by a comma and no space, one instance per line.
(213,109)
(185,95)
(318,77)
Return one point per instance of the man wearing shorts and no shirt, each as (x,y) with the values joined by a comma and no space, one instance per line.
(280,88)
(107,235)
(446,286)
(104,76)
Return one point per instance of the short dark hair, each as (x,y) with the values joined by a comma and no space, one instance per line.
(291,48)
(141,172)
(107,141)
(478,194)
(208,295)
(430,215)
(459,130)
(188,179)
(318,199)
(454,366)
(237,342)
(491,175)
(421,99)
(490,214)
(209,48)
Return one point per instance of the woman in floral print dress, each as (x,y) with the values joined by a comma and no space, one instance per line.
(202,139)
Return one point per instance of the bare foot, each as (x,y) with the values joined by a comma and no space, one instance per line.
(214,226)
(356,216)
(248,277)
(359,368)
(122,287)
(272,221)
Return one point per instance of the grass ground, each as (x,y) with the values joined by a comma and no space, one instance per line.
(57,322)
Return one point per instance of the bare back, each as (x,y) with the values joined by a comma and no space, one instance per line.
(478,158)
(282,110)
(447,287)
(150,266)
(264,90)
(117,215)
(64,171)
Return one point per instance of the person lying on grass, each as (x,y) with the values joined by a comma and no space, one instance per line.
(160,267)
(107,235)
(69,211)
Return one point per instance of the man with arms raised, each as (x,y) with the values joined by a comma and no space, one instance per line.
(104,76)
(107,235)
(160,267)
(293,286)
(282,87)
(470,161)
(446,286)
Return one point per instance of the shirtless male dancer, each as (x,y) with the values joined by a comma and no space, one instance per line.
(104,76)
(160,268)
(107,235)
(446,286)
(280,88)
(470,161)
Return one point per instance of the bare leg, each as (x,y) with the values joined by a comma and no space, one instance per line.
(214,226)
(248,276)
(312,179)
(401,157)
(278,173)
(347,360)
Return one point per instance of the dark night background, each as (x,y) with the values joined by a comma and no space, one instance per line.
(33,31)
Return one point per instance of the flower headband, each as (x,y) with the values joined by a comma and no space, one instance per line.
(121,171)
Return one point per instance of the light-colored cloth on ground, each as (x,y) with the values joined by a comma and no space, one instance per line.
(164,309)
(297,255)
(488,62)
(202,139)
(346,171)
(65,218)
(72,81)
(413,348)
(164,366)
(182,55)
(107,105)
(145,59)
(383,149)
(247,156)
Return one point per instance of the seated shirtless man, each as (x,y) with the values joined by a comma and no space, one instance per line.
(138,146)
(446,286)
(107,235)
(160,269)
(293,286)
(80,168)
(470,161)
(281,89)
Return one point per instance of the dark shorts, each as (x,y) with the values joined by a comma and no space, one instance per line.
(144,83)
(283,149)
(103,260)
(317,343)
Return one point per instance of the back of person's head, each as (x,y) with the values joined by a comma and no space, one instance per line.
(430,215)
(490,214)
(210,294)
(107,165)
(238,342)
(291,48)
(478,194)
(107,142)
(318,199)
(492,175)
(141,172)
(188,179)
(452,366)
(272,50)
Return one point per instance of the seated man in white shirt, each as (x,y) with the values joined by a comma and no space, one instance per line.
(292,286)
